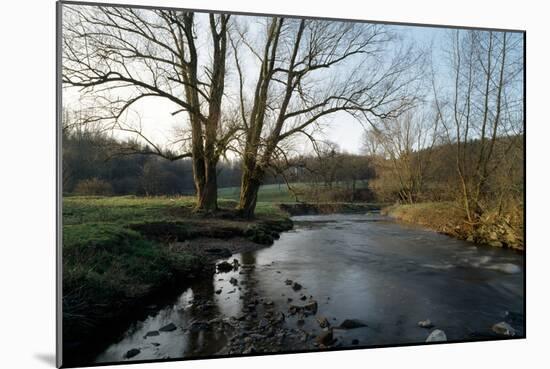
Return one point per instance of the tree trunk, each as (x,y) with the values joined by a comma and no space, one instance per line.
(208,198)
(250,185)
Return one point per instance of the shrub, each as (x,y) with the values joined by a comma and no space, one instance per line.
(93,186)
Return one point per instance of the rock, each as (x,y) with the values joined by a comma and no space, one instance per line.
(268,303)
(495,243)
(198,326)
(425,324)
(151,334)
(300,321)
(156,344)
(289,299)
(504,329)
(263,323)
(288,282)
(296,286)
(325,338)
(232,291)
(323,322)
(470,238)
(168,328)
(235,264)
(218,291)
(279,318)
(311,307)
(355,342)
(234,281)
(437,335)
(221,253)
(215,321)
(249,350)
(352,324)
(224,267)
(303,298)
(133,352)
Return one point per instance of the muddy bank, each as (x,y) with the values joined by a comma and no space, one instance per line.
(446,218)
(328,208)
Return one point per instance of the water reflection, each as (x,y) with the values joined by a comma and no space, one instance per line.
(355,267)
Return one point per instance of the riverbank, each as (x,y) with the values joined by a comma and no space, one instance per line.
(447,218)
(122,253)
(303,208)
(309,293)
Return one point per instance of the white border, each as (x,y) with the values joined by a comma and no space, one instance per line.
(27,184)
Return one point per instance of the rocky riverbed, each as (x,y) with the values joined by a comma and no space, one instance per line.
(336,281)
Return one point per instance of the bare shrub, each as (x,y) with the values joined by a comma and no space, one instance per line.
(93,186)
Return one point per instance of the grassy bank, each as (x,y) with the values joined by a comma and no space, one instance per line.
(117,252)
(448,218)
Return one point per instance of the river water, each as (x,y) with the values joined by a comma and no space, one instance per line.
(365,267)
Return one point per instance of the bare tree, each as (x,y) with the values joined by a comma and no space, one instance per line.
(119,56)
(482,106)
(309,70)
(407,143)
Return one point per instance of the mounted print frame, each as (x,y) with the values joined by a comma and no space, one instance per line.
(234,184)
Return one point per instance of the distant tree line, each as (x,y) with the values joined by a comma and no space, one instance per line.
(95,163)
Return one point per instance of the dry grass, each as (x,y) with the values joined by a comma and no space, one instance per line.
(502,228)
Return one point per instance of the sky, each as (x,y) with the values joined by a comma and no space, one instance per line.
(159,124)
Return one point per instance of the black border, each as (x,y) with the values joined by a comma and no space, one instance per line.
(59,192)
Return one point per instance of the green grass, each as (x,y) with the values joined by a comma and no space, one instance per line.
(114,251)
(277,193)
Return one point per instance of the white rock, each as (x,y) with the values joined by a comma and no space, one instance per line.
(437,335)
(504,329)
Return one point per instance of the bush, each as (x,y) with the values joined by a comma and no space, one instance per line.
(93,186)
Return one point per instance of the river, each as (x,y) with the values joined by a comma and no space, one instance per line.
(365,267)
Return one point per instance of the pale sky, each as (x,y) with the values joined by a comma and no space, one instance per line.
(159,124)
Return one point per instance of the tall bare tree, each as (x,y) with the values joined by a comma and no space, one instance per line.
(483,105)
(309,70)
(120,56)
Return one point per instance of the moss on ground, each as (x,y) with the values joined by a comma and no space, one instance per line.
(116,250)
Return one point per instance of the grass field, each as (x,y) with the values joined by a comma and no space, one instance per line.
(277,193)
(268,193)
